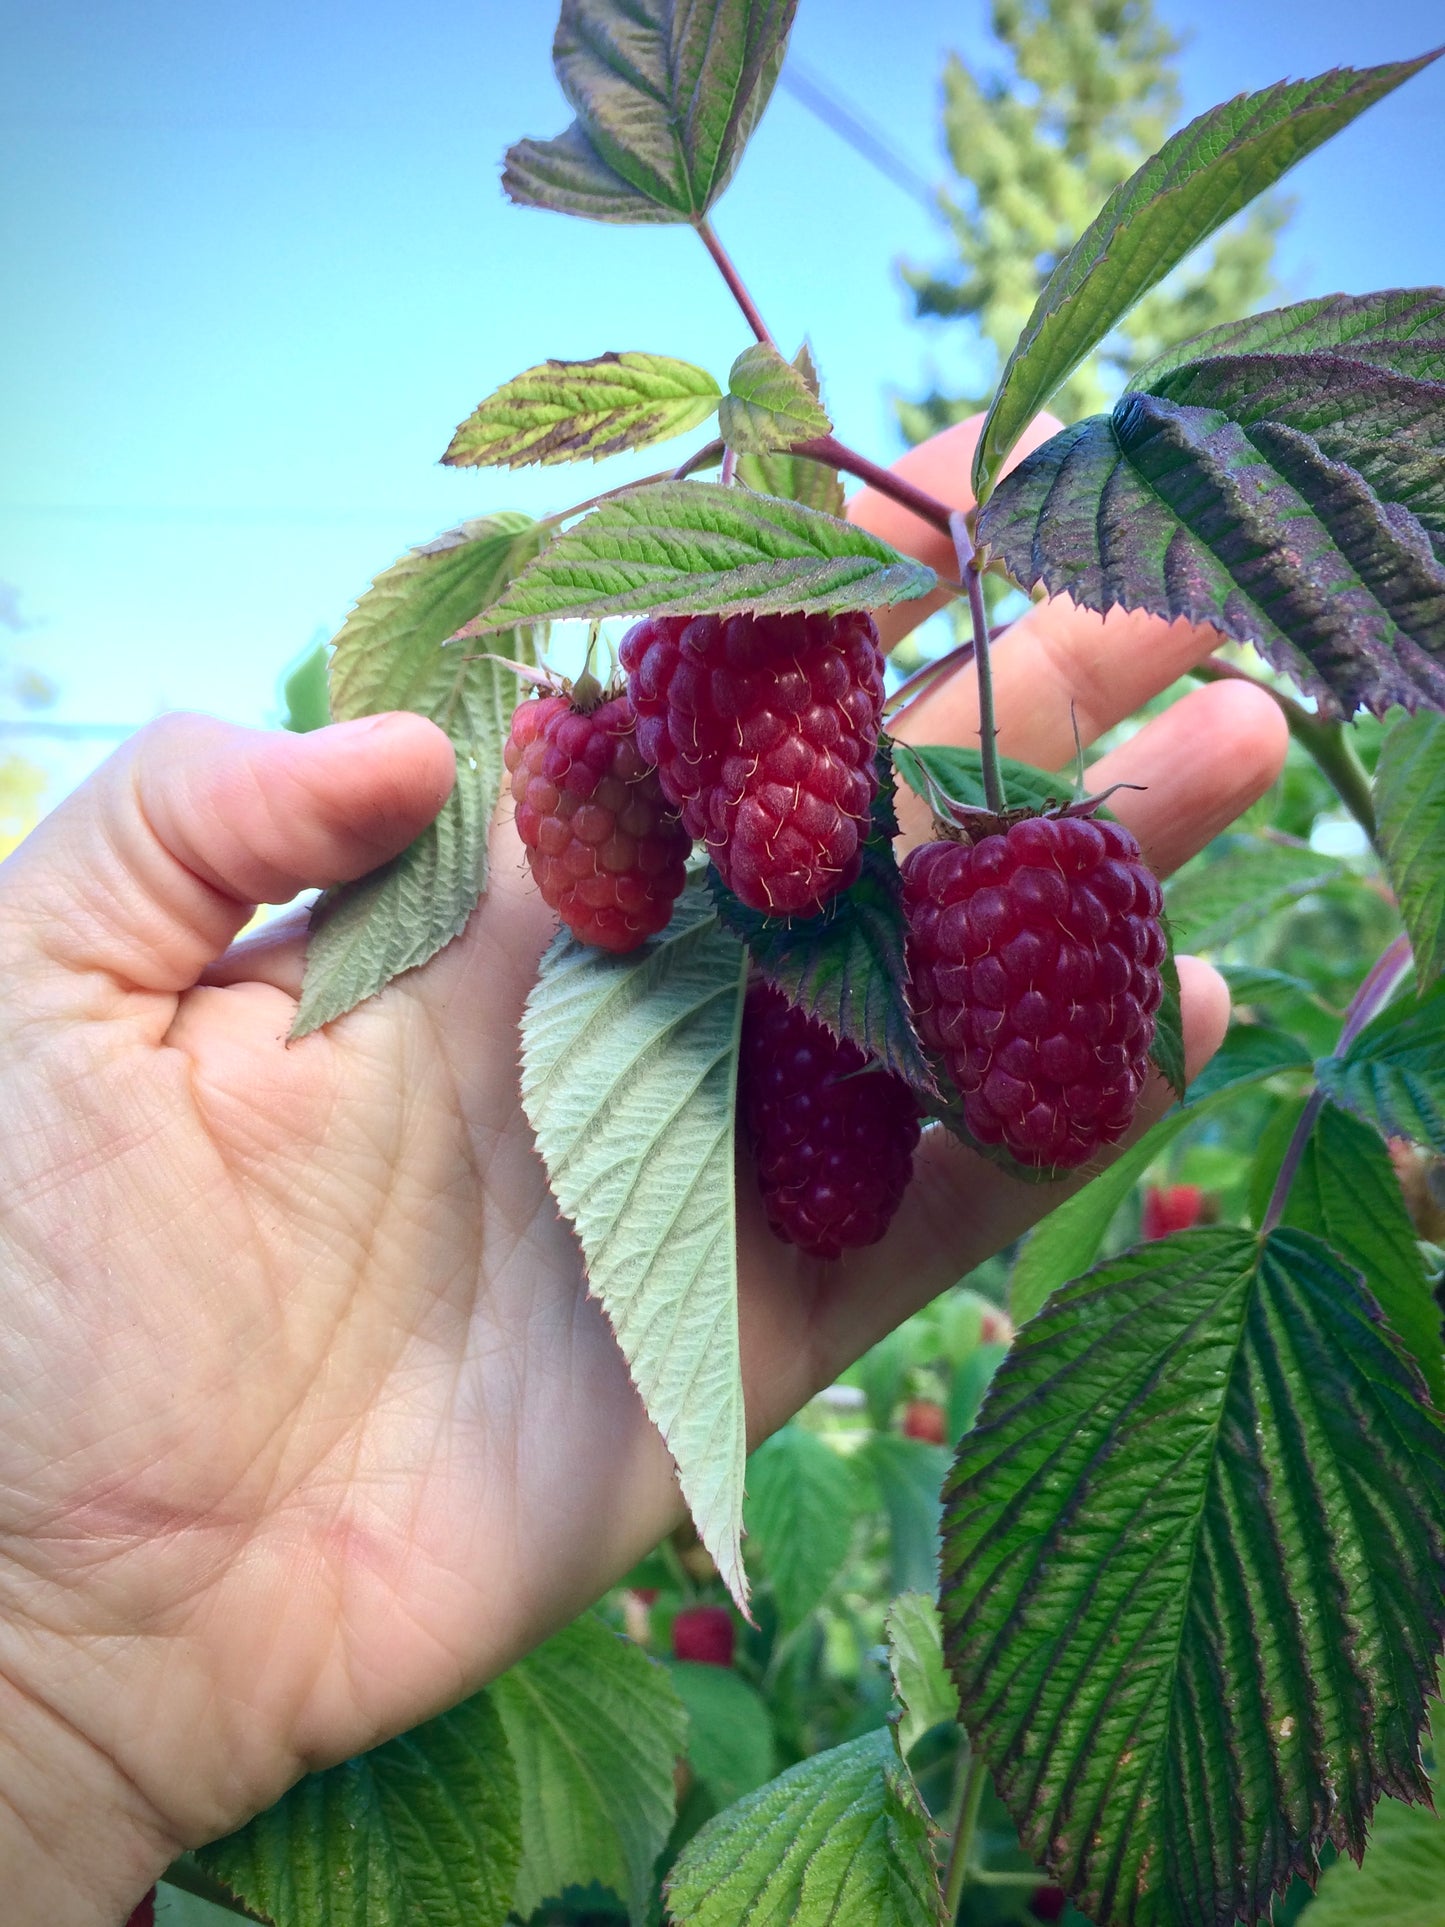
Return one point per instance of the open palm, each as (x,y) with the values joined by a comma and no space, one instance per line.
(307,1424)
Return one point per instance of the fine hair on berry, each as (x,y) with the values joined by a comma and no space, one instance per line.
(832,1137)
(606,847)
(1034,961)
(764,729)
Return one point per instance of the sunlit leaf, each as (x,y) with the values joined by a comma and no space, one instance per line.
(927,1696)
(1410,810)
(1398,328)
(1201,176)
(390,654)
(682,548)
(565,411)
(1401,1882)
(795,477)
(629,1075)
(769,404)
(1194,1575)
(1393,1075)
(596,1731)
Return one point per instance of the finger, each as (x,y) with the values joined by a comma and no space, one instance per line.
(942,467)
(147,872)
(1056,665)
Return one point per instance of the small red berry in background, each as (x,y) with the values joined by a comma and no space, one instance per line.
(1033,959)
(704,1634)
(833,1141)
(1048,1903)
(1171,1207)
(145,1914)
(763,730)
(605,846)
(924,1418)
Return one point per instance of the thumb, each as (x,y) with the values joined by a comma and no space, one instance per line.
(146,872)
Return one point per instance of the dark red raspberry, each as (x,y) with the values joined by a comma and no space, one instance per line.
(145,1914)
(604,845)
(833,1140)
(1171,1207)
(1033,961)
(704,1634)
(1048,1903)
(925,1418)
(763,730)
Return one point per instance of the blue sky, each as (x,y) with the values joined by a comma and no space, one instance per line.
(261,265)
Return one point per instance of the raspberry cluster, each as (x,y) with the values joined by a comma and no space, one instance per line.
(604,845)
(763,730)
(1034,962)
(832,1139)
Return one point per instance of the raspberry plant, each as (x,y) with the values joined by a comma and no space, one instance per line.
(1191,1595)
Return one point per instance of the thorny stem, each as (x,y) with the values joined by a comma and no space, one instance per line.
(1366,1003)
(993,792)
(1326,741)
(965,1825)
(734,280)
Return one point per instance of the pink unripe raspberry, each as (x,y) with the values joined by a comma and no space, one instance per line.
(605,846)
(925,1418)
(1034,959)
(833,1140)
(704,1634)
(1171,1207)
(763,730)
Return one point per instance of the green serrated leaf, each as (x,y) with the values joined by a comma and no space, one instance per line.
(1166,1047)
(683,548)
(1199,179)
(1388,428)
(305,692)
(1410,814)
(1401,1882)
(1220,896)
(1345,1191)
(1203,1515)
(666,97)
(1398,328)
(927,1696)
(769,404)
(1393,1074)
(424,1829)
(845,967)
(1064,1244)
(959,775)
(1253,529)
(799,1518)
(629,1076)
(729,1729)
(390,654)
(568,411)
(795,477)
(907,1476)
(842,1837)
(596,1731)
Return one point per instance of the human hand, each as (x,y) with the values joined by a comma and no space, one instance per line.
(307,1423)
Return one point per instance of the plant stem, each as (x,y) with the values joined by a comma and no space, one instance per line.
(734,280)
(729,467)
(965,1825)
(1326,741)
(836,454)
(993,791)
(1366,1003)
(703,457)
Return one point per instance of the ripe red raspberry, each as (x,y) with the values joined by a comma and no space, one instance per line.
(1033,961)
(763,730)
(606,849)
(1171,1207)
(1048,1903)
(704,1634)
(145,1914)
(833,1141)
(924,1418)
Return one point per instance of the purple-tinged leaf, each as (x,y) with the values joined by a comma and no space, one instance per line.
(1402,329)
(568,411)
(1253,529)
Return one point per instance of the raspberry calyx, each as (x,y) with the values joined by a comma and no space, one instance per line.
(606,848)
(1034,953)
(763,729)
(832,1137)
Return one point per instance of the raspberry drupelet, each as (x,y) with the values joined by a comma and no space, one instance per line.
(833,1141)
(1034,970)
(605,846)
(763,730)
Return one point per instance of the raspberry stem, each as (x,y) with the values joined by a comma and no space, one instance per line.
(735,282)
(993,790)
